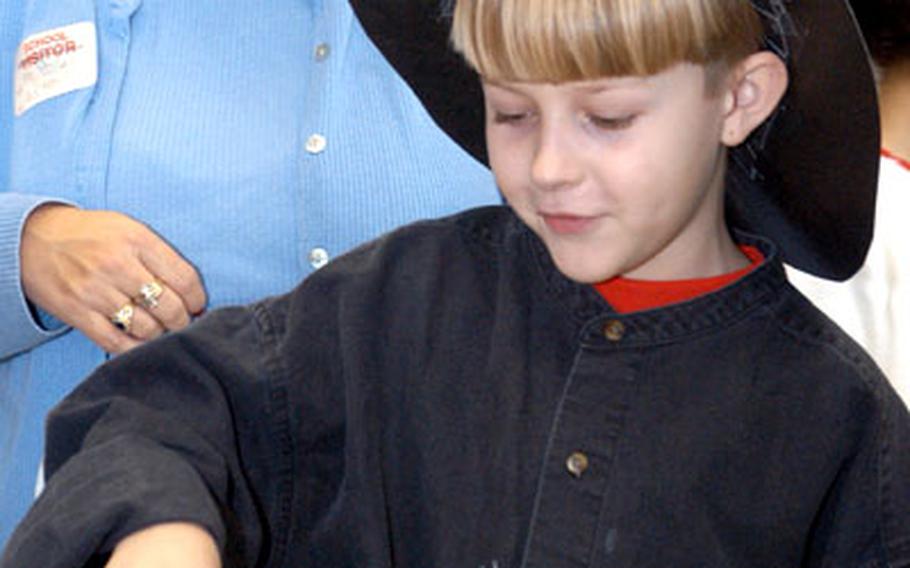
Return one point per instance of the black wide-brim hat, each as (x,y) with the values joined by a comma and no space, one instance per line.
(807,178)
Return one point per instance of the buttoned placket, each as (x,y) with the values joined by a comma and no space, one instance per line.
(570,523)
(326,35)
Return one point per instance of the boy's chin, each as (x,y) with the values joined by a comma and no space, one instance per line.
(584,272)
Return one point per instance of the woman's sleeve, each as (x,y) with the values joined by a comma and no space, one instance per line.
(154,436)
(22,326)
(19,330)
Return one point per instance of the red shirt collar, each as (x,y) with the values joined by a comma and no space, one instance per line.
(628,295)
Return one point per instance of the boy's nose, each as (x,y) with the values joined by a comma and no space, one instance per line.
(555,165)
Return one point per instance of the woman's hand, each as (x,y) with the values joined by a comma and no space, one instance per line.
(170,545)
(83,267)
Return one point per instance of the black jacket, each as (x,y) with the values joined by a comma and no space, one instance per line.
(444,397)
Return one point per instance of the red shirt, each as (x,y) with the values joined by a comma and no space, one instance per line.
(629,295)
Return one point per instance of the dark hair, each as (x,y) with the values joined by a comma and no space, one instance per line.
(886,27)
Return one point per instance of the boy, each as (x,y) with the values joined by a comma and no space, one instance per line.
(606,376)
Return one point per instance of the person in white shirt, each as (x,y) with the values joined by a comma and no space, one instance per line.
(874,305)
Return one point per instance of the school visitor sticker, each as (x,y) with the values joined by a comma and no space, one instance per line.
(55,62)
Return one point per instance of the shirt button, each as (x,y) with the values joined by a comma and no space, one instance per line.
(318,257)
(577,463)
(614,330)
(315,144)
(321,52)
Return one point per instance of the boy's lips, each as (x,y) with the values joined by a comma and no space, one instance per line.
(566,223)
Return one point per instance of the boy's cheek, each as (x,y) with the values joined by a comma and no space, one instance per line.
(508,176)
(513,195)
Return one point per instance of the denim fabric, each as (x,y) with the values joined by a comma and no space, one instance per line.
(443,397)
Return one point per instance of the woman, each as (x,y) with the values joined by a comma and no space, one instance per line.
(166,157)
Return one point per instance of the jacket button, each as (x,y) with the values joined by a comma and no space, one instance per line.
(614,330)
(577,463)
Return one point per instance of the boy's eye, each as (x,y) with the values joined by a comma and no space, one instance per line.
(612,122)
(509,117)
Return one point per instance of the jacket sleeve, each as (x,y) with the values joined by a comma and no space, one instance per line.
(151,437)
(865,521)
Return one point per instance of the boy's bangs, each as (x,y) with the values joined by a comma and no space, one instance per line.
(569,40)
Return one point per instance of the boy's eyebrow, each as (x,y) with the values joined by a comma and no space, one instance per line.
(495,83)
(599,86)
(613,83)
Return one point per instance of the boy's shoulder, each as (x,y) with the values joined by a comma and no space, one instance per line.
(825,354)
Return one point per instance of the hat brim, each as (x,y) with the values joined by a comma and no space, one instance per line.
(807,180)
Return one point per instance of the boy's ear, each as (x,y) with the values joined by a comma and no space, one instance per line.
(756,85)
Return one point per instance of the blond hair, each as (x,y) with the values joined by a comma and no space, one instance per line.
(570,40)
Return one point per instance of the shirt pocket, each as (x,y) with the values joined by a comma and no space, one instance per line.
(73,57)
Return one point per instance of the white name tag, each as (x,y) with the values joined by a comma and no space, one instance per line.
(55,62)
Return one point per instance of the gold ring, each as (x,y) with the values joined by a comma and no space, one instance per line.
(123,318)
(149,294)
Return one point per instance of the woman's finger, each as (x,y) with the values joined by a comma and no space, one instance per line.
(99,329)
(175,271)
(154,296)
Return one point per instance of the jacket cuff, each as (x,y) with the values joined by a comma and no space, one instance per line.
(87,510)
(23,326)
